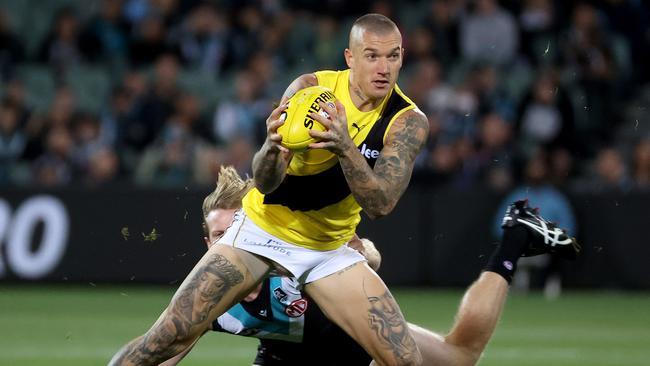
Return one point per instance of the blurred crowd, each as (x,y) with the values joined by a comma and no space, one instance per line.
(162,92)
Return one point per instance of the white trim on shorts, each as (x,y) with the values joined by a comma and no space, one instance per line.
(307,265)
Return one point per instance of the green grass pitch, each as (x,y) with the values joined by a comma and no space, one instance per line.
(85,325)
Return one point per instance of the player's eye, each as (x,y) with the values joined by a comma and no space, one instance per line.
(371,56)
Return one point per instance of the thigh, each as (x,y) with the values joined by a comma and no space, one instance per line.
(222,277)
(358,301)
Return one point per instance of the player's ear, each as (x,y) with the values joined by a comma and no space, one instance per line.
(349,59)
(207,241)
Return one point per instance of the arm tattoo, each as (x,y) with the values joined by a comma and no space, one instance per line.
(189,310)
(378,190)
(268,169)
(388,322)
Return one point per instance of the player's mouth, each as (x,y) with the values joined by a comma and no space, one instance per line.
(380,84)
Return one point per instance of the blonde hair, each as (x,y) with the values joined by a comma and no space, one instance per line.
(229,192)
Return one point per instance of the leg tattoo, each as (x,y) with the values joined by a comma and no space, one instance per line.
(387,320)
(189,308)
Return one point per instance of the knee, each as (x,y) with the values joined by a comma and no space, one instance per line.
(171,332)
(465,353)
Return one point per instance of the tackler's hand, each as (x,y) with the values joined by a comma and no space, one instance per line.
(275,120)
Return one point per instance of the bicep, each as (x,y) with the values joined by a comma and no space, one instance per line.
(403,143)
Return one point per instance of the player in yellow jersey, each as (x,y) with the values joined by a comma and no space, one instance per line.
(304,208)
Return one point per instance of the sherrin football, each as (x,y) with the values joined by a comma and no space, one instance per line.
(298,122)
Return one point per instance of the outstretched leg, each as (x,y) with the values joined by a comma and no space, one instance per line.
(220,279)
(525,234)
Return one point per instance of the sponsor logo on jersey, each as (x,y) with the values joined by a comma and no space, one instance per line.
(369,153)
(296,308)
(279,294)
(508,265)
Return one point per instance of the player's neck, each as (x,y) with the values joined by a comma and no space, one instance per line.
(363,102)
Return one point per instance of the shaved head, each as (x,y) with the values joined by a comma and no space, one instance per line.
(373,23)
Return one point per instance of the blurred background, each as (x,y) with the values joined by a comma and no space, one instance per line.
(115,116)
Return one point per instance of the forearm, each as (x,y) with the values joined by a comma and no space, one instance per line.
(142,351)
(269,168)
(371,191)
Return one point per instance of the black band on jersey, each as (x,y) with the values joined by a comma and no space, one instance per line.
(304,193)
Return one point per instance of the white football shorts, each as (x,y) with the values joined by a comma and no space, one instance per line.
(307,265)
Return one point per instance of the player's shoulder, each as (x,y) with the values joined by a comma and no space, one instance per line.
(413,118)
(397,92)
(330,78)
(411,126)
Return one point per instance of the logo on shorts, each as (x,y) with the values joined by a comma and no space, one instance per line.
(508,265)
(279,294)
(296,308)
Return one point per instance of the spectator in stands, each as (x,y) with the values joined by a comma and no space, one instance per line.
(545,117)
(202,39)
(12,51)
(157,105)
(243,115)
(170,160)
(149,44)
(86,137)
(609,173)
(420,43)
(12,141)
(486,84)
(490,163)
(60,114)
(444,164)
(103,168)
(15,94)
(488,33)
(538,31)
(589,56)
(443,23)
(61,47)
(249,24)
(54,168)
(105,37)
(641,164)
(328,43)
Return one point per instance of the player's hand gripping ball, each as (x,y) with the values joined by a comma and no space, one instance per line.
(298,123)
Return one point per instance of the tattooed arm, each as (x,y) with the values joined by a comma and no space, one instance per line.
(270,162)
(378,190)
(188,315)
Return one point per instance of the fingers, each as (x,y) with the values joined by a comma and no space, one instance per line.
(275,116)
(325,121)
(275,120)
